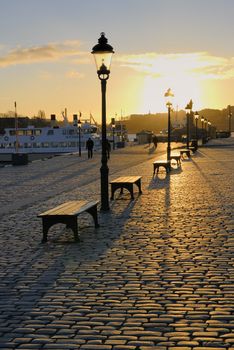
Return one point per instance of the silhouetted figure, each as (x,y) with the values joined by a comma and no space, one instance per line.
(155,141)
(108,148)
(89,147)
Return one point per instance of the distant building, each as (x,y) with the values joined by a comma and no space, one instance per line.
(144,136)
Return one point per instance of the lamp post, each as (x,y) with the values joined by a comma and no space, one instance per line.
(169,96)
(202,122)
(209,128)
(205,127)
(196,116)
(229,120)
(202,125)
(102,54)
(79,129)
(188,110)
(77,124)
(113,131)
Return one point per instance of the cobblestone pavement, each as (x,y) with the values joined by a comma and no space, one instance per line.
(157,274)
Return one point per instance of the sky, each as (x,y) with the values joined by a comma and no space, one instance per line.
(46,62)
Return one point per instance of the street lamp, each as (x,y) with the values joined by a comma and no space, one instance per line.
(113,131)
(79,129)
(188,110)
(205,127)
(209,128)
(196,116)
(169,97)
(102,54)
(202,122)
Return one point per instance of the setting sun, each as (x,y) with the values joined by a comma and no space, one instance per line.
(186,74)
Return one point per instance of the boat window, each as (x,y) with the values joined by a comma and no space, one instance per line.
(45,144)
(50,132)
(36,144)
(12,132)
(37,132)
(54,144)
(29,132)
(71,132)
(62,144)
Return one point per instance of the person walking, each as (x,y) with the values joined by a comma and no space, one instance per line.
(108,148)
(89,147)
(155,141)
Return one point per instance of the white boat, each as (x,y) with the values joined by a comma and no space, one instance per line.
(50,140)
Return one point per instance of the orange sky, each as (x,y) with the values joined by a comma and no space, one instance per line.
(46,64)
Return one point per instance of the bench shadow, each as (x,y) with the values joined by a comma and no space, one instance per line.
(34,270)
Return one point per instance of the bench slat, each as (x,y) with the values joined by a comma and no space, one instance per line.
(126,179)
(161,162)
(70,208)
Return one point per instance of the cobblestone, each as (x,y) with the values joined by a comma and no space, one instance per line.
(157,274)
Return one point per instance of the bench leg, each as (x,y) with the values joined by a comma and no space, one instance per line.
(93,211)
(73,225)
(130,188)
(113,189)
(45,227)
(47,222)
(70,222)
(138,183)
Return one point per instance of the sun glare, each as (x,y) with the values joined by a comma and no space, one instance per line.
(183,87)
(186,74)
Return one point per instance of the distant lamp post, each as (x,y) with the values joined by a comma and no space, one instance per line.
(79,129)
(188,110)
(202,122)
(169,97)
(209,128)
(113,131)
(202,125)
(196,116)
(205,128)
(229,120)
(102,54)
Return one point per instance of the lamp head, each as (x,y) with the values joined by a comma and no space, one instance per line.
(189,107)
(169,97)
(102,54)
(196,115)
(113,123)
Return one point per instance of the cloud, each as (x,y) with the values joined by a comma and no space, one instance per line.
(50,52)
(199,64)
(75,75)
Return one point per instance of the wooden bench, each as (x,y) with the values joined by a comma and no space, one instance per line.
(177,158)
(162,163)
(67,214)
(125,182)
(185,151)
